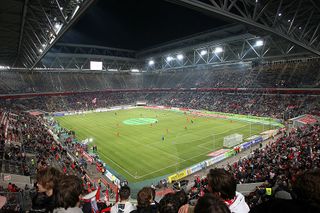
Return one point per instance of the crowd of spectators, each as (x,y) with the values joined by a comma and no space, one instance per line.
(27,148)
(276,106)
(279,164)
(290,74)
(292,161)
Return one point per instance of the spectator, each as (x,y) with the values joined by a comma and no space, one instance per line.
(146,201)
(222,184)
(184,207)
(307,188)
(69,190)
(169,204)
(211,204)
(124,206)
(44,200)
(3,201)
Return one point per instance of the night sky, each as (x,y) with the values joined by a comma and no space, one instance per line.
(137,24)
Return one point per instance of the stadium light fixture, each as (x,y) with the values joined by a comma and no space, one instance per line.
(40,51)
(75,11)
(259,43)
(203,52)
(57,27)
(280,14)
(169,58)
(151,62)
(134,70)
(218,50)
(4,67)
(113,70)
(180,57)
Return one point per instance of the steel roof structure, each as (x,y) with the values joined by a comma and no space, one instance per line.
(295,20)
(288,28)
(29,28)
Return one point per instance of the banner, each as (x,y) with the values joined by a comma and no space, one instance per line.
(218,152)
(177,176)
(215,159)
(247,145)
(230,153)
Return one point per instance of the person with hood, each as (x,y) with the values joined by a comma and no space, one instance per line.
(222,184)
(69,191)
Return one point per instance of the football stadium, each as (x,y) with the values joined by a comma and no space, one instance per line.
(162,106)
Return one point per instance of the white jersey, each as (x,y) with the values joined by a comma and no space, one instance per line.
(126,207)
(239,205)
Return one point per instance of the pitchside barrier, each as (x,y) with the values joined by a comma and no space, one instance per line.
(80,112)
(204,164)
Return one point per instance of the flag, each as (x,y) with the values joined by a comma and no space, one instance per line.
(98,194)
(92,197)
(107,195)
(94,101)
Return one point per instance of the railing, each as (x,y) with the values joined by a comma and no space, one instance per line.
(16,201)
(17,167)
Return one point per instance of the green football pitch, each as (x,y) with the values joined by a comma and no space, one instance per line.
(146,143)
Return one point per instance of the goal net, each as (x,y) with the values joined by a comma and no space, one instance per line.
(232,140)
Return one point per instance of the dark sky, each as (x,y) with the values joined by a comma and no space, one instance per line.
(137,24)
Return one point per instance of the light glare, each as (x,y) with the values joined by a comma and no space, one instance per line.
(203,52)
(218,50)
(180,57)
(259,43)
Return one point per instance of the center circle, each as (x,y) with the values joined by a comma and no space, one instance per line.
(140,121)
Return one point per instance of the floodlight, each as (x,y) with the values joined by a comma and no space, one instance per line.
(4,67)
(151,62)
(57,27)
(134,70)
(113,70)
(280,14)
(180,57)
(169,58)
(40,51)
(218,50)
(203,52)
(259,43)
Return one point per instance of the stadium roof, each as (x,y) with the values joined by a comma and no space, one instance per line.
(138,24)
(30,28)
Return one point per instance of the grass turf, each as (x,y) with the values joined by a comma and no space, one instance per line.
(138,152)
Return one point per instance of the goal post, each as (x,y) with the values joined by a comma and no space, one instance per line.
(232,140)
